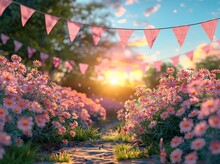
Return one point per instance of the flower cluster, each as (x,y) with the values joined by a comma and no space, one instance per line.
(183,110)
(30,101)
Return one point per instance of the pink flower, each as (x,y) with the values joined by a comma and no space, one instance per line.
(193,113)
(40,121)
(198,144)
(164,115)
(180,112)
(200,128)
(170,70)
(176,155)
(66,115)
(189,135)
(15,58)
(65,142)
(215,147)
(25,123)
(5,139)
(191,158)
(3,60)
(8,102)
(214,121)
(209,106)
(37,63)
(186,125)
(2,152)
(176,141)
(170,110)
(72,133)
(3,113)
(152,124)
(163,155)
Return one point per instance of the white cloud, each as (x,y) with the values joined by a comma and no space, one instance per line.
(182,5)
(130,2)
(175,11)
(135,23)
(151,10)
(121,11)
(121,21)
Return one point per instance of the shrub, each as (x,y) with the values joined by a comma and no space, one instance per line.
(175,110)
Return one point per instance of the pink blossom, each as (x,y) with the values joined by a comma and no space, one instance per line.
(5,139)
(15,58)
(163,155)
(198,144)
(176,141)
(152,124)
(3,113)
(37,63)
(25,123)
(176,155)
(189,135)
(186,125)
(164,115)
(214,121)
(209,106)
(191,158)
(215,147)
(200,128)
(40,121)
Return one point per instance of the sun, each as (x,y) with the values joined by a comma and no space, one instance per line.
(114,81)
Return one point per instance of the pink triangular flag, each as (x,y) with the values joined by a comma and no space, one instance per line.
(143,67)
(97,33)
(56,61)
(190,55)
(151,35)
(31,51)
(4,38)
(175,60)
(3,5)
(83,68)
(43,57)
(124,36)
(26,13)
(50,22)
(69,65)
(18,45)
(180,33)
(157,65)
(73,29)
(209,27)
(206,48)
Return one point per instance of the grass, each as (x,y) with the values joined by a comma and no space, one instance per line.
(115,136)
(126,151)
(26,154)
(59,157)
(85,134)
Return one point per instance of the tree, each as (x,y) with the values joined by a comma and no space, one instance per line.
(211,62)
(151,77)
(57,43)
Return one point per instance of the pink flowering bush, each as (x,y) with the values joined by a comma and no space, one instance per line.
(183,110)
(32,106)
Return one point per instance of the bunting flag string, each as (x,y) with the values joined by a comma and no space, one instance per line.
(83,67)
(180,32)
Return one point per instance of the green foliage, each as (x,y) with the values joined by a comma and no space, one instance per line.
(84,134)
(26,154)
(210,62)
(58,157)
(115,136)
(152,75)
(58,42)
(126,151)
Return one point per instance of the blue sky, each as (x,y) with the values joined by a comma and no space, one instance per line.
(163,13)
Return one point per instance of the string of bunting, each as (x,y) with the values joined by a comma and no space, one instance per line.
(43,56)
(83,67)
(180,32)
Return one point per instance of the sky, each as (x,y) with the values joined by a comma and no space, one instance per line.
(138,14)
